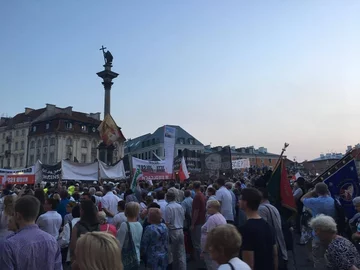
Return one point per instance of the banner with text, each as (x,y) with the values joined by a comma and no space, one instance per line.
(239,164)
(22,176)
(169,147)
(151,170)
(51,173)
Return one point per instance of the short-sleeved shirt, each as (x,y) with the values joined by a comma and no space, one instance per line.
(199,203)
(174,215)
(259,237)
(342,254)
(321,205)
(223,195)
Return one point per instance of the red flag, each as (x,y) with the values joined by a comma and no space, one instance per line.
(280,190)
(183,172)
(287,198)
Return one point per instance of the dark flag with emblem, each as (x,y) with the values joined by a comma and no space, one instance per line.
(343,182)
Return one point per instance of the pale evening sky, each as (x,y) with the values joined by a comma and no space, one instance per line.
(229,72)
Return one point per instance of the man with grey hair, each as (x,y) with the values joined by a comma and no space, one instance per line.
(319,202)
(92,191)
(174,219)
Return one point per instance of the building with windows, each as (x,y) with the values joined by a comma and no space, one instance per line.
(14,138)
(150,145)
(50,134)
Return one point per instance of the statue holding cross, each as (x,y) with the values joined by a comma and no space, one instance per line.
(108,58)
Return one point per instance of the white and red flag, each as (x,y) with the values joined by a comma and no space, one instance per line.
(183,172)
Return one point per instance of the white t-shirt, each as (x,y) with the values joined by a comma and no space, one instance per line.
(50,222)
(236,263)
(223,195)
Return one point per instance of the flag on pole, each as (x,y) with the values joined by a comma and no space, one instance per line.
(109,131)
(134,181)
(280,192)
(183,171)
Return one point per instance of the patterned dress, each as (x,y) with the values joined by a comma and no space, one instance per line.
(154,246)
(342,254)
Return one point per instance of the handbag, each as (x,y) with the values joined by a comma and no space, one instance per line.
(128,252)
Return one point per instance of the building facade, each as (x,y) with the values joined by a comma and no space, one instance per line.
(50,134)
(151,145)
(14,138)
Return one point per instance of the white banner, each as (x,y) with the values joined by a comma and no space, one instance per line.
(169,147)
(112,172)
(151,170)
(241,164)
(79,171)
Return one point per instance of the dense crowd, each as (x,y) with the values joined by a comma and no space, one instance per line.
(226,225)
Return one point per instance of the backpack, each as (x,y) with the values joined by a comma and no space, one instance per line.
(340,217)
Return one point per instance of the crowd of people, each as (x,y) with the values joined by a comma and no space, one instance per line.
(226,225)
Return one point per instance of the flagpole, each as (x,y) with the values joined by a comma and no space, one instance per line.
(281,155)
(339,162)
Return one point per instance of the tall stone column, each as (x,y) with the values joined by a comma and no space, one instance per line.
(106,152)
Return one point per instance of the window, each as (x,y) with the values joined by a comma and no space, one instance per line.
(8,162)
(3,138)
(83,158)
(23,132)
(32,145)
(46,142)
(146,157)
(191,141)
(17,133)
(157,152)
(52,158)
(16,146)
(34,128)
(84,144)
(93,144)
(69,142)
(32,160)
(2,148)
(38,144)
(269,160)
(179,152)
(22,145)
(21,161)
(15,162)
(44,158)
(47,126)
(37,156)
(84,128)
(52,141)
(2,163)
(68,125)
(181,141)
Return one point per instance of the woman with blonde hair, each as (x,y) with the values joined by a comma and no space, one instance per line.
(223,244)
(104,225)
(6,214)
(97,251)
(129,236)
(215,219)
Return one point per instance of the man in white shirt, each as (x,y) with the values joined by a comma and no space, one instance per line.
(120,217)
(223,195)
(109,203)
(51,221)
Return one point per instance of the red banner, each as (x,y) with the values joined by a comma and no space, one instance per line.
(19,179)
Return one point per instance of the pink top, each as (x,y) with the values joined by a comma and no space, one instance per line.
(109,228)
(212,222)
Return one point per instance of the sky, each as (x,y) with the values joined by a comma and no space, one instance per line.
(236,73)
